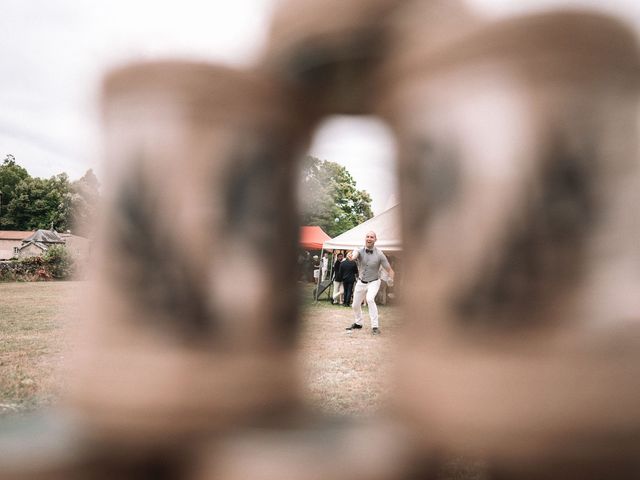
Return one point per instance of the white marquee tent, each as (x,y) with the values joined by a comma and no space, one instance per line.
(387,228)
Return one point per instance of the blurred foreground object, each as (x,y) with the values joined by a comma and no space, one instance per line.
(187,325)
(518,174)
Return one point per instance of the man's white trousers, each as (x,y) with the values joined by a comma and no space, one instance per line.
(368,291)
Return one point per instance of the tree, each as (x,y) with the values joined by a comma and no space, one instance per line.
(59,262)
(330,198)
(30,203)
(41,203)
(11,174)
(84,203)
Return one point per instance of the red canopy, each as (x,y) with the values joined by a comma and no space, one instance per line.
(312,238)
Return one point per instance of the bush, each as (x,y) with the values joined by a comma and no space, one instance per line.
(58,262)
(31,269)
(8,272)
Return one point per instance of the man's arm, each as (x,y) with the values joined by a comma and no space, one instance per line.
(352,255)
(387,266)
(390,271)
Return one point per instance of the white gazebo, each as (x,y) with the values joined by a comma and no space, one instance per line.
(387,228)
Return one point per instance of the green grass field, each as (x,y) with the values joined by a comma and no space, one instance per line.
(345,373)
(342,372)
(35,319)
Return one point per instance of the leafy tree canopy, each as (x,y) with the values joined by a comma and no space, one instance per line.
(85,195)
(11,174)
(330,198)
(30,203)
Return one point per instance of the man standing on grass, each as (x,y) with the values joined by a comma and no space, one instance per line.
(369,260)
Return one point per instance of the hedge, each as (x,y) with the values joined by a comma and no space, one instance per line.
(55,264)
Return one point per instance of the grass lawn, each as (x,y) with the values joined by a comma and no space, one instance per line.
(33,341)
(343,372)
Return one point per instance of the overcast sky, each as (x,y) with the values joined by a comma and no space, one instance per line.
(54,52)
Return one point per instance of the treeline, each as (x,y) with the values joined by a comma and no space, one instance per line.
(330,198)
(30,203)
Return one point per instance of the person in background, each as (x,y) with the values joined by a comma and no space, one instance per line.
(307,267)
(338,286)
(325,266)
(316,268)
(369,260)
(349,273)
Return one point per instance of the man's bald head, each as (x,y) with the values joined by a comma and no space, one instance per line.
(370,239)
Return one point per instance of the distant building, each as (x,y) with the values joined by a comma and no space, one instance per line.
(39,242)
(11,241)
(23,244)
(77,246)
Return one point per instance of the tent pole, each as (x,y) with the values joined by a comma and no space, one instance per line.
(317,292)
(330,287)
(330,273)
